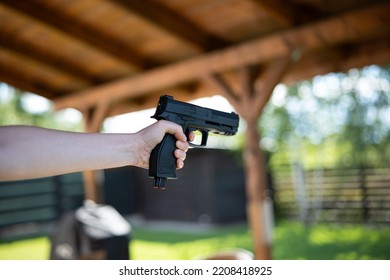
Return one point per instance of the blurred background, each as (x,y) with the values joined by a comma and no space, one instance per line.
(310,80)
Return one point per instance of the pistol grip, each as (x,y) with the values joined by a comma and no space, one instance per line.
(162,162)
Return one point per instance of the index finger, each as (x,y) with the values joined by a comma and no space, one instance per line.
(175,129)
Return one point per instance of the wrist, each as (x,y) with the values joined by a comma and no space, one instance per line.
(134,150)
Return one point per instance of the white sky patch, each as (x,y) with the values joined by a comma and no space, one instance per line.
(70,115)
(35,104)
(279,94)
(5,93)
(129,123)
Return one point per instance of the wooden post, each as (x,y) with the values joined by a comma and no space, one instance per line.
(94,179)
(256,186)
(255,91)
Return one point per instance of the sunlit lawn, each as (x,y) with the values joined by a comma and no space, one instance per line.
(291,241)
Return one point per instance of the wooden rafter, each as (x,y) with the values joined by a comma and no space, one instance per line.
(281,11)
(79,30)
(306,38)
(26,83)
(317,63)
(42,57)
(340,59)
(35,76)
(164,18)
(93,179)
(288,14)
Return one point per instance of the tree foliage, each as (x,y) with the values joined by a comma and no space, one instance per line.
(344,117)
(14,111)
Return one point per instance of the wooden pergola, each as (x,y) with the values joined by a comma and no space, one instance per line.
(106,58)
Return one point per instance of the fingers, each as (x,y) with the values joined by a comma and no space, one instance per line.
(181,144)
(181,153)
(175,129)
(191,137)
(179,164)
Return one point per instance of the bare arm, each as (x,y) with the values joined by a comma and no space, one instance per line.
(32,152)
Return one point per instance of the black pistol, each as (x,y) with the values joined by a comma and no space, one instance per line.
(162,163)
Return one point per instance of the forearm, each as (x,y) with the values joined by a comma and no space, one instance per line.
(31,152)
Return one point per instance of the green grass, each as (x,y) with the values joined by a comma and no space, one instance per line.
(29,249)
(291,241)
(319,242)
(170,245)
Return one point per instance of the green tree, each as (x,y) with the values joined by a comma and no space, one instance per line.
(367,126)
(13,111)
(346,115)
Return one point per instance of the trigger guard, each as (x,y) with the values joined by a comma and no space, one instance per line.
(204,137)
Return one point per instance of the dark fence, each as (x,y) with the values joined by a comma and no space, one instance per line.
(344,196)
(35,201)
(210,189)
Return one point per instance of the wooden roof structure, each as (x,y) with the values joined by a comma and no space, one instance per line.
(108,57)
(126,53)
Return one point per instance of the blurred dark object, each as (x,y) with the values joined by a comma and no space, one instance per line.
(93,231)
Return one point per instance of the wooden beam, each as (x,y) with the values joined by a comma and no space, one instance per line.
(253,101)
(256,187)
(23,83)
(281,11)
(93,179)
(225,90)
(35,76)
(340,59)
(255,93)
(333,60)
(287,13)
(11,38)
(95,117)
(267,81)
(175,24)
(310,37)
(82,31)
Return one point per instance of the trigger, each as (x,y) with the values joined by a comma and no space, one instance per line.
(204,136)
(188,132)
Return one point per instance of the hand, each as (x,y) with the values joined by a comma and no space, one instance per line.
(152,135)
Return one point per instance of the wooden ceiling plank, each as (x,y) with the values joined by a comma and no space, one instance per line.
(19,32)
(12,39)
(38,74)
(256,51)
(281,11)
(340,60)
(25,83)
(173,23)
(88,34)
(42,56)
